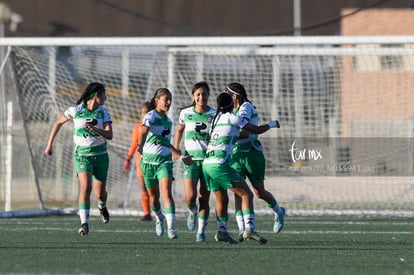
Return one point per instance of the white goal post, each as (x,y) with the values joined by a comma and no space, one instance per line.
(344,104)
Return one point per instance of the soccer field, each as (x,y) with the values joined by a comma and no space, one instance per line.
(308,245)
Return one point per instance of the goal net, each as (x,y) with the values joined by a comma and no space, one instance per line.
(344,105)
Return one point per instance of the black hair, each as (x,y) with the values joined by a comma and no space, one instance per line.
(90,91)
(158,93)
(239,90)
(146,105)
(224,103)
(198,85)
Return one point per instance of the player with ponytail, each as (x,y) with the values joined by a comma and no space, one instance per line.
(92,128)
(248,158)
(220,176)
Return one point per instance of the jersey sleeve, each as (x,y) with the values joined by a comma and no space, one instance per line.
(107,116)
(239,121)
(181,118)
(246,111)
(70,112)
(148,119)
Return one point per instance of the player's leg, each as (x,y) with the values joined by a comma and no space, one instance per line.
(84,170)
(240,188)
(165,176)
(145,200)
(217,178)
(236,164)
(204,209)
(255,165)
(190,200)
(222,217)
(84,204)
(153,189)
(100,174)
(191,174)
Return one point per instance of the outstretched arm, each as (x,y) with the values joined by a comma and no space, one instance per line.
(262,128)
(55,129)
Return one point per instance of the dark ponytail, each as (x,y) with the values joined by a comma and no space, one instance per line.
(90,91)
(224,105)
(239,90)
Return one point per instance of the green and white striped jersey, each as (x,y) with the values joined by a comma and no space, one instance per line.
(225,132)
(88,143)
(197,127)
(248,111)
(157,145)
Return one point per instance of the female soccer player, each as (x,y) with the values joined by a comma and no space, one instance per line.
(156,162)
(145,202)
(220,176)
(248,159)
(92,127)
(194,123)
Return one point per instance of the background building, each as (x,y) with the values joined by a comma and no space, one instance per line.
(194,17)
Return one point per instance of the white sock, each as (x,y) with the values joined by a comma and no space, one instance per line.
(240,222)
(202,224)
(170,217)
(249,221)
(84,215)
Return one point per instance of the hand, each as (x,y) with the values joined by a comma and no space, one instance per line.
(48,151)
(274,124)
(90,127)
(187,160)
(127,165)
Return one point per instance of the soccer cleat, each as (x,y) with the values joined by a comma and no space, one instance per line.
(241,235)
(223,236)
(279,220)
(172,234)
(104,214)
(159,226)
(146,218)
(84,229)
(200,237)
(250,234)
(192,219)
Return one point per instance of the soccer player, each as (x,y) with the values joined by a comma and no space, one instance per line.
(145,202)
(92,128)
(248,159)
(220,176)
(194,124)
(156,161)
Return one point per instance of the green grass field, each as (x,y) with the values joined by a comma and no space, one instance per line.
(308,245)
